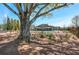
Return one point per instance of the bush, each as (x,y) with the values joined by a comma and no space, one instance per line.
(49,36)
(42,35)
(75,31)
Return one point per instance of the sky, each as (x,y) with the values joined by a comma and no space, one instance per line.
(60,17)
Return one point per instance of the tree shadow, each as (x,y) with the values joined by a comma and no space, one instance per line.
(9,48)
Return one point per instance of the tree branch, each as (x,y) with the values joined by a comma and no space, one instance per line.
(42,9)
(10,9)
(31,8)
(38,13)
(52,10)
(34,7)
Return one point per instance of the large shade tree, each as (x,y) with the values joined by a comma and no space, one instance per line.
(29,12)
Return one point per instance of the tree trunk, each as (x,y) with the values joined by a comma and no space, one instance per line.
(24,31)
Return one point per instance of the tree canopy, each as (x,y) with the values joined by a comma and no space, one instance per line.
(32,11)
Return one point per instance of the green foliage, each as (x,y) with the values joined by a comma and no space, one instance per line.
(42,34)
(11,24)
(49,36)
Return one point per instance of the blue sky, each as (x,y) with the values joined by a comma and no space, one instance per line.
(60,17)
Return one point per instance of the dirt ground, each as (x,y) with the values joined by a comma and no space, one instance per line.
(64,43)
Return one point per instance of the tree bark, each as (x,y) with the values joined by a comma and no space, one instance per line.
(24,31)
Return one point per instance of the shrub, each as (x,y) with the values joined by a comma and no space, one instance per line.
(75,31)
(42,35)
(49,36)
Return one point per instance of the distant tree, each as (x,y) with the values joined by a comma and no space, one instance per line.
(9,26)
(29,12)
(17,25)
(75,21)
(75,28)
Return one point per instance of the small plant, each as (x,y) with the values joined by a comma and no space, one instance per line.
(50,36)
(42,35)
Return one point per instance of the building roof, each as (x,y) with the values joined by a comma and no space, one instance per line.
(44,25)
